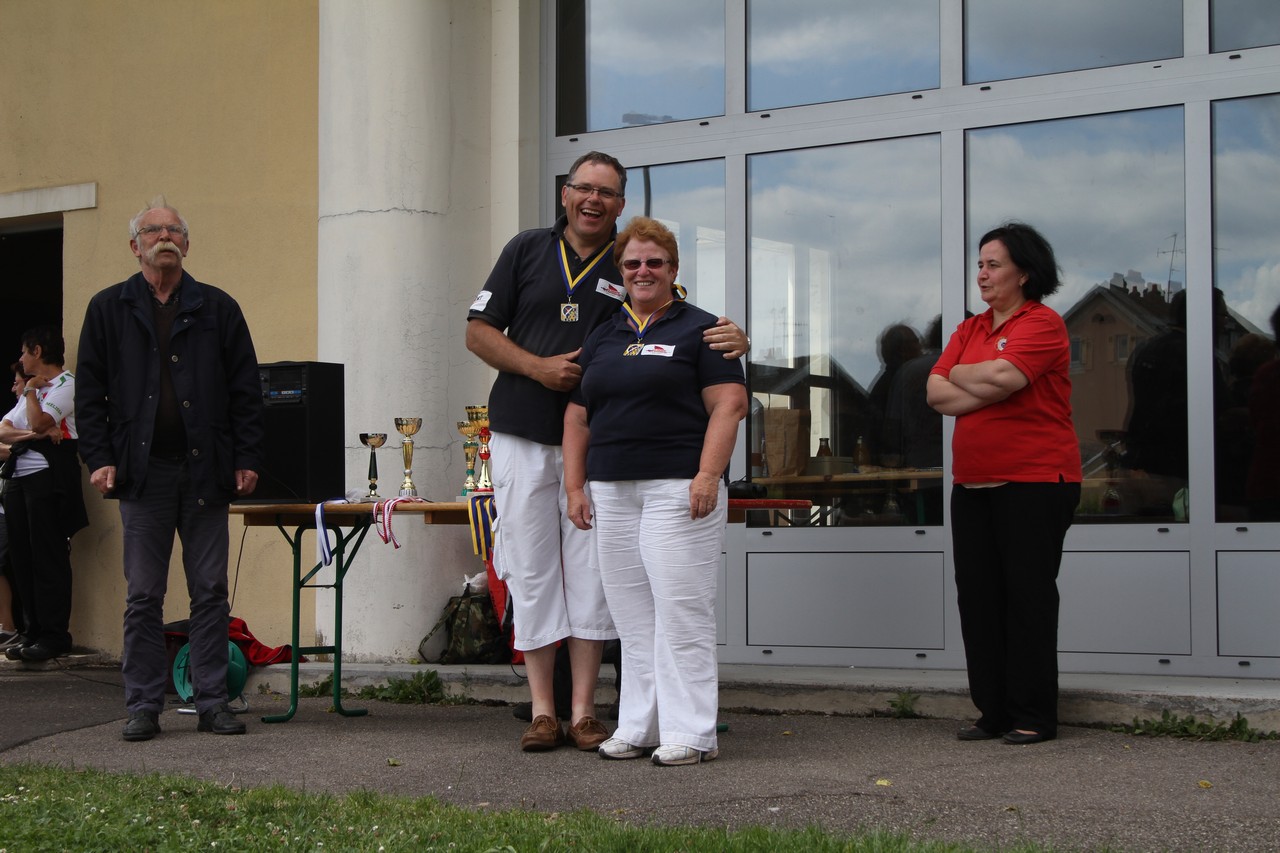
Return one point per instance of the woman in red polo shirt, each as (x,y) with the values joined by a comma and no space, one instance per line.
(1016,467)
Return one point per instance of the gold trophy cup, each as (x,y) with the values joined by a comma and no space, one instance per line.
(408,427)
(469,448)
(373,440)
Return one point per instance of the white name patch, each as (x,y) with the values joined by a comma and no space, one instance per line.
(664,350)
(482,299)
(608,288)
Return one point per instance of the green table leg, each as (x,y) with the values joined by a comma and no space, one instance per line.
(342,560)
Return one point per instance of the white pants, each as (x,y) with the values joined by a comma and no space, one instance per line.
(547,563)
(659,569)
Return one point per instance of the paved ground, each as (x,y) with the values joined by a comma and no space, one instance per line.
(1089,789)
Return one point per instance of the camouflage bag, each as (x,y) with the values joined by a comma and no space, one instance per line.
(472,630)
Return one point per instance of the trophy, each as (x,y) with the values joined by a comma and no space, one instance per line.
(469,448)
(479,419)
(408,427)
(373,440)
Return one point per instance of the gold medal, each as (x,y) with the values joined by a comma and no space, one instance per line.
(568,312)
(633,349)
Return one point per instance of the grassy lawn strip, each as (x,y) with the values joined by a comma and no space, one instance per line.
(48,808)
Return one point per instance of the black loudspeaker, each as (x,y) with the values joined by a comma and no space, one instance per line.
(303,408)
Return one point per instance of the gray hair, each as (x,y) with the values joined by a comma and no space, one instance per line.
(157,203)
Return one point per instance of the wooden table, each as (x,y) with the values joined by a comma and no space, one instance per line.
(350,523)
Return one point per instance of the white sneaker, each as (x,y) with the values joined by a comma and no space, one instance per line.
(619,749)
(671,756)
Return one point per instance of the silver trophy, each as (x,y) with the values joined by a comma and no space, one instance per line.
(373,440)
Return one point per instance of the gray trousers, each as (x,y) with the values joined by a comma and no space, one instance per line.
(167,506)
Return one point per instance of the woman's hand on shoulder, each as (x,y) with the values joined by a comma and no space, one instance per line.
(727,337)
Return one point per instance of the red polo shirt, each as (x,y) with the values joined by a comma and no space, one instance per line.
(1028,437)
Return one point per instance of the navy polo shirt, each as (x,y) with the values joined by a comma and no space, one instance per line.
(645,411)
(523,296)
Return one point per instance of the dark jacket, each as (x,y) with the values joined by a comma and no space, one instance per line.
(215,379)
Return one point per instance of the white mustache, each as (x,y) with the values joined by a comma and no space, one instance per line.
(165,246)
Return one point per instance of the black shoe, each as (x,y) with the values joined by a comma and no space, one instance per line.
(39,651)
(1020,738)
(976,733)
(142,725)
(221,721)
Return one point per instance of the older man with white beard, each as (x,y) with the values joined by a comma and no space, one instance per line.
(170,417)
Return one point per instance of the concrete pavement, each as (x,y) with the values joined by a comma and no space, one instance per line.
(1089,789)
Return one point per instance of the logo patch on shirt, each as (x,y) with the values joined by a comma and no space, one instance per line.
(608,288)
(482,299)
(658,349)
(1001,344)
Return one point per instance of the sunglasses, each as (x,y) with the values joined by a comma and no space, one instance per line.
(634,264)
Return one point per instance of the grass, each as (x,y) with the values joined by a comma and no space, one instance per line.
(50,808)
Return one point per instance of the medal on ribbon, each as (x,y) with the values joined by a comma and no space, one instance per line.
(568,310)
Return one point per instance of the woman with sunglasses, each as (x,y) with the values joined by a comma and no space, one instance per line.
(651,429)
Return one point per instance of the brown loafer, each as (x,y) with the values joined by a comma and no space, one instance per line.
(588,734)
(543,733)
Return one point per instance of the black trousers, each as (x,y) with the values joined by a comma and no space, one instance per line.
(41,558)
(1008,549)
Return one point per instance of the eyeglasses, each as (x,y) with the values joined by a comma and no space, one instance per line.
(634,264)
(587,190)
(152,230)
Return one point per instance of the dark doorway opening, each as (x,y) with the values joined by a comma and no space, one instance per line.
(30,280)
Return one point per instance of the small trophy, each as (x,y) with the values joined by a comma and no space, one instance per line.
(479,418)
(469,448)
(484,482)
(408,427)
(373,440)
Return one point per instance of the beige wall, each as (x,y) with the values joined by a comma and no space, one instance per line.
(214,105)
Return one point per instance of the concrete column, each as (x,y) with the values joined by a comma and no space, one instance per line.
(403,139)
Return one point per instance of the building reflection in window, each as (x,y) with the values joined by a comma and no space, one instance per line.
(845,292)
(1108,192)
(1246,271)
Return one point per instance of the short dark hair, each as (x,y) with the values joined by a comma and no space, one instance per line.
(15,369)
(49,339)
(1032,254)
(602,159)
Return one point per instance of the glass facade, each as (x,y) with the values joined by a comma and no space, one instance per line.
(844,160)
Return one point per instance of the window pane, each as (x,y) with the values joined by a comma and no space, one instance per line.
(844,286)
(839,49)
(1108,193)
(1246,272)
(1021,38)
(1238,24)
(689,199)
(621,64)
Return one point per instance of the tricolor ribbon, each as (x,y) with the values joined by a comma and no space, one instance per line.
(324,548)
(382,517)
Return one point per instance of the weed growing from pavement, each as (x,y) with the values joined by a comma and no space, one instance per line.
(52,808)
(1171,725)
(422,688)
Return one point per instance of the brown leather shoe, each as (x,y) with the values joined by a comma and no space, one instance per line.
(588,734)
(544,733)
